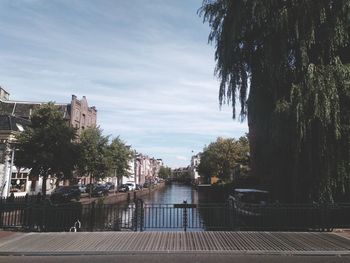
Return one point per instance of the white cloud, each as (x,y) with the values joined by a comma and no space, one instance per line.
(150,76)
(183,158)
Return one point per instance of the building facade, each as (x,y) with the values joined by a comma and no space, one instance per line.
(12,180)
(146,169)
(77,113)
(14,117)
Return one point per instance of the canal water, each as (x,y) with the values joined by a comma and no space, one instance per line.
(161,210)
(164,210)
(174,193)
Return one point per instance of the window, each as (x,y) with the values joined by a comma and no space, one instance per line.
(77,114)
(83,120)
(18,182)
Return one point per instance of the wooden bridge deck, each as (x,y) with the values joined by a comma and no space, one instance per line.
(97,243)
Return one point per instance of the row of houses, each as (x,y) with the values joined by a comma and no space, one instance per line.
(142,169)
(15,116)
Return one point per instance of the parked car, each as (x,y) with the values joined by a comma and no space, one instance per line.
(99,190)
(65,193)
(132,186)
(110,185)
(123,188)
(82,188)
(90,186)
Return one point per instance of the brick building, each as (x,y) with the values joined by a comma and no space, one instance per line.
(77,113)
(14,116)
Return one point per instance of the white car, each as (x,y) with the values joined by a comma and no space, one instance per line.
(132,186)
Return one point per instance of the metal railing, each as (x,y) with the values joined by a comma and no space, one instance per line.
(139,216)
(185,217)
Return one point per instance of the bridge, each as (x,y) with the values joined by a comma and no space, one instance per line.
(114,243)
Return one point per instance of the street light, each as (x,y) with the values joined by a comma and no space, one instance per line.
(10,172)
(115,179)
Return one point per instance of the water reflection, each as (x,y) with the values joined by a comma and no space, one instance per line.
(160,212)
(172,194)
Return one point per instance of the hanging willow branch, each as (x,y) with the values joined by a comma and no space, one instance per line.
(293,58)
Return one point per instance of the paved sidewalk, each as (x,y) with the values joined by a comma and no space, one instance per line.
(110,243)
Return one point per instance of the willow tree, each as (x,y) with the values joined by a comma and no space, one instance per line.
(287,63)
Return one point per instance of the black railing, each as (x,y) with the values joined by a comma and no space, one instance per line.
(20,199)
(289,217)
(185,217)
(108,217)
(139,216)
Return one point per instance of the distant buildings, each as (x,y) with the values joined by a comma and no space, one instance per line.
(14,117)
(145,169)
(142,169)
(195,160)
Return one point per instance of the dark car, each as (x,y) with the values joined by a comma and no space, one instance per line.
(90,187)
(100,190)
(65,193)
(109,185)
(123,188)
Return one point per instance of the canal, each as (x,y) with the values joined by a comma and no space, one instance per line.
(161,210)
(178,207)
(172,194)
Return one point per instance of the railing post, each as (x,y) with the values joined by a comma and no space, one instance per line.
(184,223)
(138,219)
(92,216)
(142,215)
(135,223)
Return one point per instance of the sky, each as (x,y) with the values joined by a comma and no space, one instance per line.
(146,66)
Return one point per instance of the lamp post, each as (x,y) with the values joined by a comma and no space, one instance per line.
(10,172)
(115,180)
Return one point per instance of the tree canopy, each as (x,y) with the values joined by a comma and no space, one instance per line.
(288,64)
(120,156)
(221,157)
(100,159)
(164,172)
(46,146)
(93,147)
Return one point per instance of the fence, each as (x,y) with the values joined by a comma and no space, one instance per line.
(287,217)
(139,216)
(184,217)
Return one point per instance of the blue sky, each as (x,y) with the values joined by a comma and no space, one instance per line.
(144,64)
